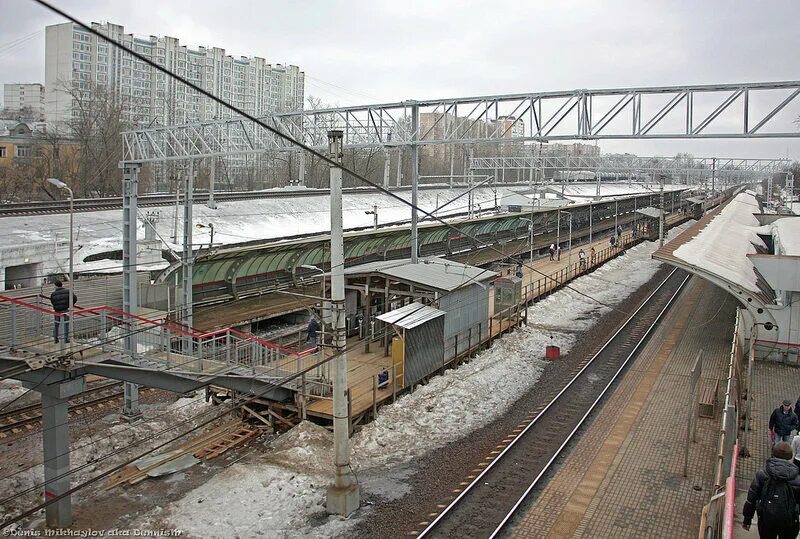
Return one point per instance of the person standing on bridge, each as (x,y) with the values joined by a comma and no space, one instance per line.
(774,495)
(782,422)
(313,331)
(553,254)
(59,299)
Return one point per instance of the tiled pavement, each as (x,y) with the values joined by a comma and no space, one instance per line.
(624,476)
(772,382)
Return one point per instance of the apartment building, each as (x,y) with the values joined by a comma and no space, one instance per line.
(25,98)
(76,62)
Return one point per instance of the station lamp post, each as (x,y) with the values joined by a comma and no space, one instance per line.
(61,185)
(209,226)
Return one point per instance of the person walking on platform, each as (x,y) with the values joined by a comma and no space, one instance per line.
(774,495)
(619,232)
(552,251)
(59,299)
(313,331)
(582,259)
(782,422)
(592,256)
(612,242)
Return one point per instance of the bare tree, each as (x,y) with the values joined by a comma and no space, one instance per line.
(98,120)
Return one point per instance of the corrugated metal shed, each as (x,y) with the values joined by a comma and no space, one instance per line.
(654,213)
(432,272)
(411,315)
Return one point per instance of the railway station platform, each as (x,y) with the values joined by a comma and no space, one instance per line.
(624,476)
(366,394)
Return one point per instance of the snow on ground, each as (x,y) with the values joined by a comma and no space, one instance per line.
(10,390)
(117,437)
(282,494)
(722,246)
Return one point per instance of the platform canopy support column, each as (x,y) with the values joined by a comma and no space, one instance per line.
(130,303)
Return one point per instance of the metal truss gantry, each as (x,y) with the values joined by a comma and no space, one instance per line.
(632,164)
(745,110)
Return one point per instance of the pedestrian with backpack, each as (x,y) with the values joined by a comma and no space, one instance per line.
(774,495)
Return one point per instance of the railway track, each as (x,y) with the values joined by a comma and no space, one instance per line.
(490,498)
(28,417)
(14,209)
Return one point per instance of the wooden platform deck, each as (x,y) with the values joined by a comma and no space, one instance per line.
(362,370)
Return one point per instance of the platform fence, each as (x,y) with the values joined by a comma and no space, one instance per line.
(717,520)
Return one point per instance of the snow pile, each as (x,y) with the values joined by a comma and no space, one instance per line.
(786,235)
(307,448)
(10,390)
(722,246)
(256,500)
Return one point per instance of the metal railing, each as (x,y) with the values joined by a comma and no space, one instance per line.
(718,515)
(28,325)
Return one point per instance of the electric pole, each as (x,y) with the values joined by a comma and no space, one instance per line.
(343,495)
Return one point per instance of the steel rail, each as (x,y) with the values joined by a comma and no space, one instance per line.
(36,408)
(478,479)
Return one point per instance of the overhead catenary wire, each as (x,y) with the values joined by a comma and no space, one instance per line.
(324,158)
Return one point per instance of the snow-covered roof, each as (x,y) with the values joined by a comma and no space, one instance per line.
(411,315)
(722,246)
(431,272)
(786,236)
(654,213)
(579,191)
(234,222)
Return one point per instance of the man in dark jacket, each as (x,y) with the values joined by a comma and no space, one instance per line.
(59,299)
(313,331)
(782,422)
(779,472)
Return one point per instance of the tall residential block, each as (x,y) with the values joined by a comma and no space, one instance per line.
(24,98)
(76,62)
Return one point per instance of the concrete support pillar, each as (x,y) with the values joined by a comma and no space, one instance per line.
(55,432)
(212,172)
(186,257)
(387,162)
(130,302)
(302,166)
(414,181)
(399,167)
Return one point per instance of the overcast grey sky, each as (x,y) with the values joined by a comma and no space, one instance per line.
(374,51)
